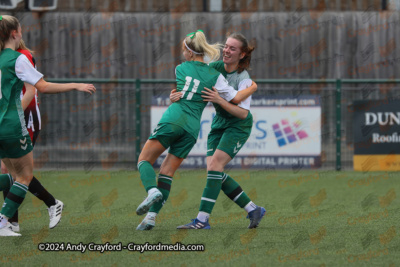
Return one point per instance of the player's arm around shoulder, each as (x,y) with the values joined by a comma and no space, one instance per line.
(222,86)
(217,65)
(242,94)
(228,93)
(213,96)
(246,88)
(243,85)
(246,82)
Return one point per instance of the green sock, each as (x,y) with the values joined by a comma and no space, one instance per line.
(14,199)
(147,175)
(164,185)
(211,192)
(233,190)
(5,181)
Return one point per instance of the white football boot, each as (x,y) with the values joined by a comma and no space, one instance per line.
(148,223)
(152,198)
(4,230)
(55,212)
(13,227)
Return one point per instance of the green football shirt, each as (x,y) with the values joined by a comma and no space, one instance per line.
(238,81)
(15,69)
(191,78)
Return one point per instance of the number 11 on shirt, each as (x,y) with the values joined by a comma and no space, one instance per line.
(187,85)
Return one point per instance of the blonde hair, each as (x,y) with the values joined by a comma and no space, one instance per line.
(198,43)
(7,25)
(24,47)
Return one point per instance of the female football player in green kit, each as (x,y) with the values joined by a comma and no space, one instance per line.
(179,126)
(228,135)
(30,105)
(15,142)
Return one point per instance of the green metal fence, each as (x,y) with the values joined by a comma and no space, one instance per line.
(340,85)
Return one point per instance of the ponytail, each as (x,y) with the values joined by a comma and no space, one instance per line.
(198,44)
(24,47)
(7,25)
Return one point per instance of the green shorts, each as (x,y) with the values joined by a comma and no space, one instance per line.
(174,137)
(15,147)
(230,140)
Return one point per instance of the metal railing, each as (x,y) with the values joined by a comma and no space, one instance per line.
(338,99)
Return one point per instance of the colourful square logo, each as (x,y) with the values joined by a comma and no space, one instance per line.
(287,133)
(281,142)
(278,134)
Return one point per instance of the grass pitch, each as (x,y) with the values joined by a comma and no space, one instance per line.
(314,218)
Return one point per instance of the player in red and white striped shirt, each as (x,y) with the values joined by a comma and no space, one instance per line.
(32,112)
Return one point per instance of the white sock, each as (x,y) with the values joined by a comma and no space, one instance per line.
(3,220)
(152,190)
(203,216)
(151,215)
(250,207)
